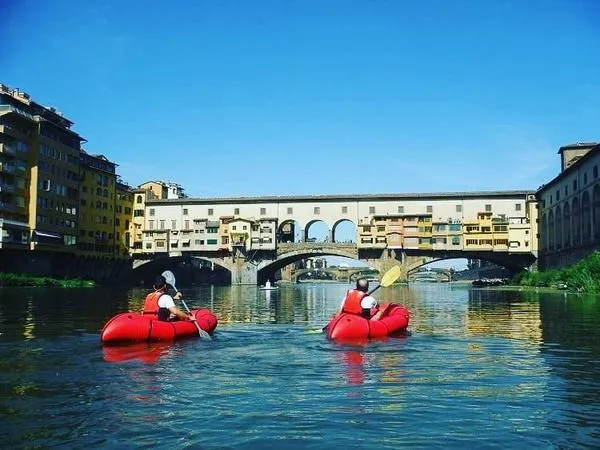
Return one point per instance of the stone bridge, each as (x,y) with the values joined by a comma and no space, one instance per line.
(255,267)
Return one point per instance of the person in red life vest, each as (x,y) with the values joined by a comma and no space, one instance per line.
(357,301)
(162,304)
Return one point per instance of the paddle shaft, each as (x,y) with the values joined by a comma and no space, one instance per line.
(203,334)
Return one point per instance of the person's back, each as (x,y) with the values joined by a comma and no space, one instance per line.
(357,301)
(162,304)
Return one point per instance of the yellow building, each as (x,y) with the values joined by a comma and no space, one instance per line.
(137,224)
(123,216)
(97,226)
(39,173)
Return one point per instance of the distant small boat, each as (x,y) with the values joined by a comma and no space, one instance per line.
(268,288)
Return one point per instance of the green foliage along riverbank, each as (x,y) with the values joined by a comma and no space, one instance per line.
(582,277)
(13,279)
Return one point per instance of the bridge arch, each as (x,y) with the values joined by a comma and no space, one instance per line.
(317,230)
(148,269)
(267,269)
(343,228)
(289,231)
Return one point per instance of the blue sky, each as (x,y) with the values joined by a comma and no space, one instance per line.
(310,97)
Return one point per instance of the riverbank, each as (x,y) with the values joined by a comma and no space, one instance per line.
(13,279)
(583,277)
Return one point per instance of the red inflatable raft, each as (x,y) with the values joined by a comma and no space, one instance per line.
(136,327)
(346,326)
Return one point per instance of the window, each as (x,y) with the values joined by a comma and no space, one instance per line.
(585,178)
(595,171)
(566,190)
(185,211)
(371,210)
(236,211)
(517,207)
(455,240)
(263,211)
(344,210)
(139,199)
(210,211)
(162,224)
(575,185)
(290,210)
(173,224)
(151,224)
(488,208)
(429,208)
(400,209)
(151,211)
(316,210)
(211,241)
(557,195)
(187,225)
(458,208)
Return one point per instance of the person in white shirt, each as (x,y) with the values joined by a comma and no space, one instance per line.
(162,304)
(358,301)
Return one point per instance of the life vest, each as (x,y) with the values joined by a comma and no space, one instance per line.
(352,302)
(151,306)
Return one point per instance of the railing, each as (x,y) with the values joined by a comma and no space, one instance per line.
(283,247)
(9,150)
(7,168)
(9,108)
(5,187)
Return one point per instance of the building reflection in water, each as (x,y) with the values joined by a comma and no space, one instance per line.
(497,313)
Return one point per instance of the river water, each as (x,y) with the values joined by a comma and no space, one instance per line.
(480,369)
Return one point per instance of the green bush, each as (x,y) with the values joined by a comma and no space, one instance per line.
(582,277)
(13,279)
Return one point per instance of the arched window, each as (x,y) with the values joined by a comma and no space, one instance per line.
(586,218)
(575,222)
(558,228)
(551,230)
(543,232)
(566,226)
(139,199)
(596,212)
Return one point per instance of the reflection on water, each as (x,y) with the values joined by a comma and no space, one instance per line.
(480,367)
(504,314)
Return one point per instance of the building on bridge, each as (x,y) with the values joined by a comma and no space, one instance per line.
(570,207)
(244,234)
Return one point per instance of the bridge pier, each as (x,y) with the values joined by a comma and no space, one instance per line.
(244,272)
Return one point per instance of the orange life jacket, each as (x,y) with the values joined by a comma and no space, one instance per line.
(352,302)
(151,306)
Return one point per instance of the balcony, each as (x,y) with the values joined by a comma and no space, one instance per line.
(7,187)
(7,168)
(11,109)
(9,207)
(8,149)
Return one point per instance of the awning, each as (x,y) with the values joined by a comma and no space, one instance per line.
(174,241)
(185,241)
(47,234)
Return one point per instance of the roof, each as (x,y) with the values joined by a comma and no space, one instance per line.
(347,197)
(576,165)
(576,146)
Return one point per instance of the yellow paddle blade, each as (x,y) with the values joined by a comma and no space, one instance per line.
(390,276)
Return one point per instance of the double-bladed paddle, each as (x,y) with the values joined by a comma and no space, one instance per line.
(170,279)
